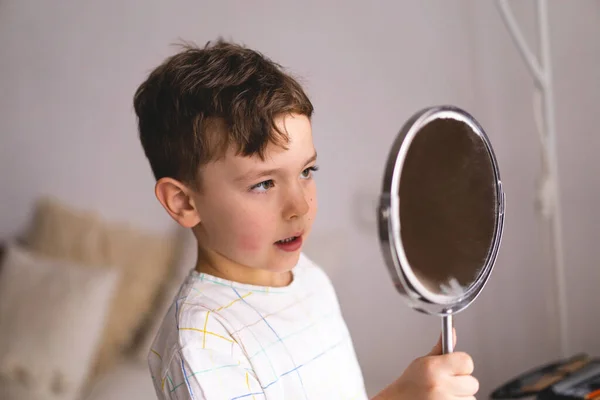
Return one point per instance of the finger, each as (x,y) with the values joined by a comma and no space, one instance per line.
(437,349)
(450,365)
(460,364)
(463,386)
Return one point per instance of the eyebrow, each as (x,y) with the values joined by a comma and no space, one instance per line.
(255,175)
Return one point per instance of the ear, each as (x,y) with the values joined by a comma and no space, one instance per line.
(177,199)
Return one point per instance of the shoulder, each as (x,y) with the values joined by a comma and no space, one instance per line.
(198,354)
(193,321)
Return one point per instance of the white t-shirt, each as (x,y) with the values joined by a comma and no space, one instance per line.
(223,340)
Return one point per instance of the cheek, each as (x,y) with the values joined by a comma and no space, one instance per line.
(249,240)
(312,203)
(254,230)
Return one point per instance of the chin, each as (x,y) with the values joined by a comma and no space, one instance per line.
(285,262)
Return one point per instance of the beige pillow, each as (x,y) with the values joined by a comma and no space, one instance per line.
(186,261)
(62,233)
(51,318)
(144,260)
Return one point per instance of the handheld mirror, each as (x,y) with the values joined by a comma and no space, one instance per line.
(441,213)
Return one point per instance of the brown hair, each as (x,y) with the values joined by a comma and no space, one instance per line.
(200,101)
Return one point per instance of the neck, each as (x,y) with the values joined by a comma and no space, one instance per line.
(215,264)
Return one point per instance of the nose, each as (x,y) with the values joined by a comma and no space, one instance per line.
(296,204)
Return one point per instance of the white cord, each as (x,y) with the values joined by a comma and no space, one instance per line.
(545,203)
(548,190)
(550,126)
(517,36)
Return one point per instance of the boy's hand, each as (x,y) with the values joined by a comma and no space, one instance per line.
(435,376)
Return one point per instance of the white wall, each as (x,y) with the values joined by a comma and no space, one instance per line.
(506,90)
(67,128)
(577,73)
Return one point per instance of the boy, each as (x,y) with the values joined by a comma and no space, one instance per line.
(228,137)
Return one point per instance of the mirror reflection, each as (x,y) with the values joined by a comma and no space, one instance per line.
(447,206)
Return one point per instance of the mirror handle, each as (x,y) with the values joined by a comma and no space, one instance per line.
(447,334)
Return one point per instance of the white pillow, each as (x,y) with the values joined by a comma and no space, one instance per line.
(52,315)
(129,380)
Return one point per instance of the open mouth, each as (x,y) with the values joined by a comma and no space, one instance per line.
(288,240)
(290,244)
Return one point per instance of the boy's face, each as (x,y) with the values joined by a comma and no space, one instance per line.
(248,206)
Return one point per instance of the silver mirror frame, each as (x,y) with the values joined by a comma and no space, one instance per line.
(389,229)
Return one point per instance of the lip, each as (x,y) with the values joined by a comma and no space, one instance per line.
(298,234)
(291,246)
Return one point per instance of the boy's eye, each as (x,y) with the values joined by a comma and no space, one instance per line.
(263,186)
(307,173)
